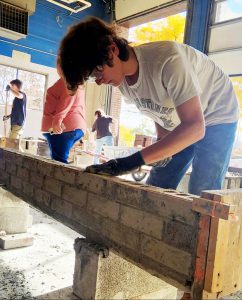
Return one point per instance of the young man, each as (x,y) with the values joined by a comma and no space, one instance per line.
(104,135)
(190,99)
(18,113)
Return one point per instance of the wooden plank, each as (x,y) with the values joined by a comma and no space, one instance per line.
(214,209)
(217,255)
(224,263)
(201,257)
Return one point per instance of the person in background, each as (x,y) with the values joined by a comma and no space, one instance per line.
(18,113)
(103,133)
(63,121)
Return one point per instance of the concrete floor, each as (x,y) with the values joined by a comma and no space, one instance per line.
(44,270)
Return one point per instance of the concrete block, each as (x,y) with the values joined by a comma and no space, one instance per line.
(92,183)
(121,234)
(167,255)
(42,197)
(2,164)
(16,182)
(74,195)
(4,177)
(36,179)
(28,189)
(23,173)
(67,175)
(52,185)
(16,241)
(45,168)
(101,274)
(103,207)
(29,163)
(14,213)
(62,207)
(142,221)
(11,167)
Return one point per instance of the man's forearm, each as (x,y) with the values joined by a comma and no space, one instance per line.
(181,137)
(161,132)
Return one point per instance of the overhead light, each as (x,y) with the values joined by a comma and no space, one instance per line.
(72,5)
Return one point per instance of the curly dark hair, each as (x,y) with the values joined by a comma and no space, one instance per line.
(85,47)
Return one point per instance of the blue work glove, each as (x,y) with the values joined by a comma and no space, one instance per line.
(118,166)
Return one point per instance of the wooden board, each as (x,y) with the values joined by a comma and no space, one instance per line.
(224,262)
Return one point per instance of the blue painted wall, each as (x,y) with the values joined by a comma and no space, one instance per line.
(44,32)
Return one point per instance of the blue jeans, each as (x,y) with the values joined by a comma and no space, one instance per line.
(60,144)
(106,140)
(209,158)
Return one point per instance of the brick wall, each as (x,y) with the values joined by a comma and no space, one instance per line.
(154,228)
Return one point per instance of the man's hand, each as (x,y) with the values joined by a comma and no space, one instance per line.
(119,166)
(5,118)
(57,129)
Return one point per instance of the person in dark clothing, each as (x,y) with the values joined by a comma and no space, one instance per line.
(18,114)
(104,135)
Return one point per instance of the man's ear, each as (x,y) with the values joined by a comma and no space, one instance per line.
(114,48)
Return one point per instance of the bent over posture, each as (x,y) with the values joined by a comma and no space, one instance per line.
(63,121)
(190,99)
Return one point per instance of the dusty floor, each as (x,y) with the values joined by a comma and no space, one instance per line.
(44,270)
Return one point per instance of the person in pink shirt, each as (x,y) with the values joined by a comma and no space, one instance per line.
(63,121)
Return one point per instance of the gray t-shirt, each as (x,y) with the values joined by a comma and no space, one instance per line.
(101,125)
(170,74)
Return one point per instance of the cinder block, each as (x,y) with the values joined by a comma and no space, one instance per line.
(11,167)
(28,189)
(42,197)
(121,234)
(4,177)
(36,179)
(16,182)
(74,195)
(62,207)
(52,185)
(91,182)
(45,168)
(2,164)
(101,274)
(103,207)
(23,173)
(16,241)
(142,221)
(66,175)
(161,252)
(14,213)
(29,162)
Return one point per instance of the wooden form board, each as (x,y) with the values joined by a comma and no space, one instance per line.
(224,261)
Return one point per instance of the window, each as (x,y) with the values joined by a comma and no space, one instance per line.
(33,86)
(170,28)
(226,10)
(237,84)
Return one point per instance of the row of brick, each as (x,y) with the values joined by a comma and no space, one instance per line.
(142,223)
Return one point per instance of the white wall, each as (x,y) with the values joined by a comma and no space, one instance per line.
(95,95)
(22,60)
